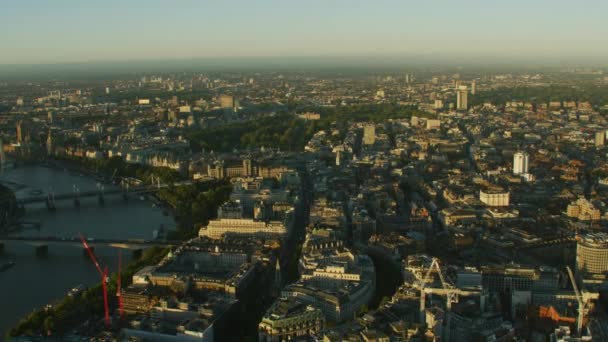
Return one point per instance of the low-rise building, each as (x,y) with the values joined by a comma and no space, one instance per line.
(287,319)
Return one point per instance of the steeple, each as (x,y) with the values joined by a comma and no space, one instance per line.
(278,279)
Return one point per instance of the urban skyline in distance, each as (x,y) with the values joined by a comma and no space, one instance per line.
(304,171)
(68,31)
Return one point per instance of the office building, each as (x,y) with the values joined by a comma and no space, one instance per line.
(494,198)
(217,228)
(592,253)
(473,87)
(461,98)
(513,277)
(520,163)
(369,134)
(584,210)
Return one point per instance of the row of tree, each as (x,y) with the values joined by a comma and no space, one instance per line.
(194,205)
(288,132)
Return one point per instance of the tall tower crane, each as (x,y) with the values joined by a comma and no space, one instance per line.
(448,290)
(583,300)
(104,278)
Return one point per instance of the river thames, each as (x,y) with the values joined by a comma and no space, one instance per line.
(39,280)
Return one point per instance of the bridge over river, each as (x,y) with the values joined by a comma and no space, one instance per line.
(92,193)
(42,243)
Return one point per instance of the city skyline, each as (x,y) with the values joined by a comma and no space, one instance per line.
(344,170)
(36,32)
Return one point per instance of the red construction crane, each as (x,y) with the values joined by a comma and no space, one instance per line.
(118,289)
(104,276)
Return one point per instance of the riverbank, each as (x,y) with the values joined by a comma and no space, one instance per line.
(37,280)
(82,312)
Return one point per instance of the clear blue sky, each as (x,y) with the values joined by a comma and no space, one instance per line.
(51,31)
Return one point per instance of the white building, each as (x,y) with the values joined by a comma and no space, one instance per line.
(494,198)
(520,163)
(217,228)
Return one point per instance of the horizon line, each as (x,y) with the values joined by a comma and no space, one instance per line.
(387,59)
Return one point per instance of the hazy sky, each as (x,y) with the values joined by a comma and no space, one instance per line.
(50,31)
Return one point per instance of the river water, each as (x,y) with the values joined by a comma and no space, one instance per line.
(38,280)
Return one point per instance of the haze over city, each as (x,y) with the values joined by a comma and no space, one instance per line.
(66,31)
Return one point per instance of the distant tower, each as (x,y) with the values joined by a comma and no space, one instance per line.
(49,117)
(19,132)
(520,163)
(49,144)
(473,87)
(369,134)
(461,98)
(338,157)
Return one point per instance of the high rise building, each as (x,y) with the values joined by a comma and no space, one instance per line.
(369,134)
(49,117)
(600,138)
(520,163)
(461,98)
(473,87)
(592,253)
